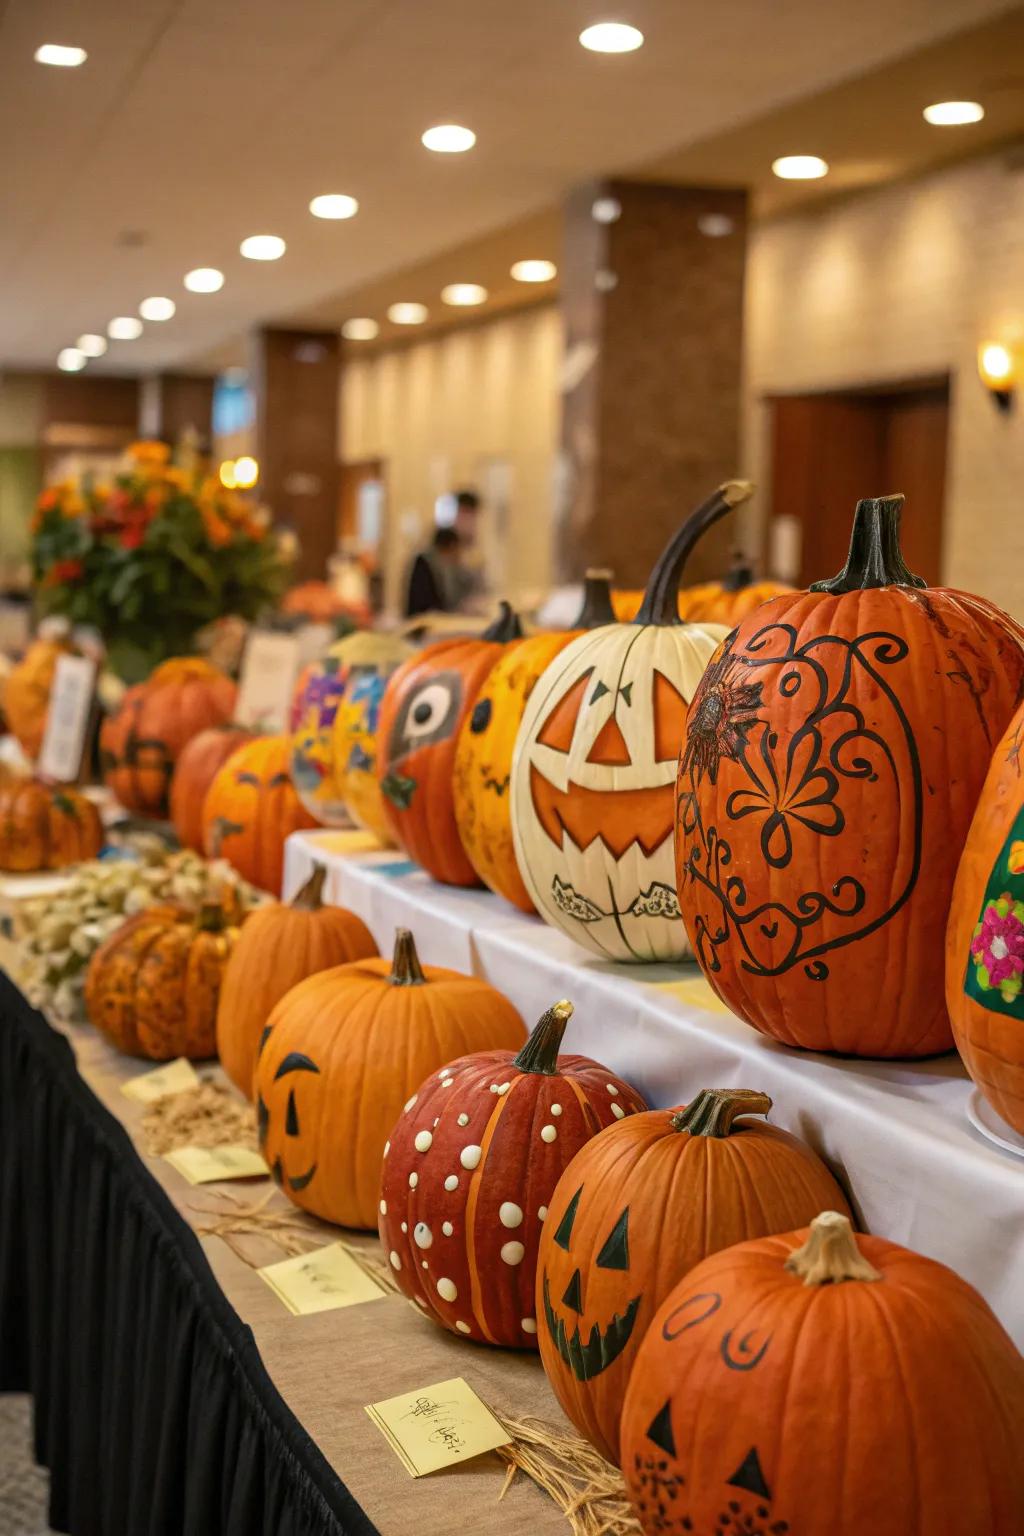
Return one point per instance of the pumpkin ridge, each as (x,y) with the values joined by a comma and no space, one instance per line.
(476,1291)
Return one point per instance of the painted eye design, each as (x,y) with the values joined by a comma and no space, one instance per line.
(615,1250)
(427,715)
(481,716)
(243,777)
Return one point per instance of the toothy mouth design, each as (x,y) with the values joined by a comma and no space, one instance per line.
(619,817)
(601,1349)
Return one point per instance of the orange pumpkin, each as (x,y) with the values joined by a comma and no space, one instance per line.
(425,704)
(280,946)
(27,691)
(251,808)
(730,600)
(821,1382)
(198,765)
(833,757)
(46,826)
(635,1211)
(342,1053)
(140,744)
(320,604)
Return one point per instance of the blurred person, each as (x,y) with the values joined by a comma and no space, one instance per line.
(442,578)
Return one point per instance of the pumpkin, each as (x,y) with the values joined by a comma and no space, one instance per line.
(821,1382)
(730,600)
(473,1163)
(195,770)
(251,808)
(594,767)
(483,757)
(985,936)
(46,826)
(674,1185)
(152,987)
(27,691)
(341,1054)
(834,754)
(425,704)
(318,603)
(280,946)
(141,742)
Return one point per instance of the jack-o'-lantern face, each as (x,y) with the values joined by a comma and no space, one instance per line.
(246,788)
(288,1123)
(589,1344)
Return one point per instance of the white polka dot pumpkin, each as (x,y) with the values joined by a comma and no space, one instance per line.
(470,1168)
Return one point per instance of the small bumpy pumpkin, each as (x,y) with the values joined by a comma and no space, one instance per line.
(27,690)
(471,1167)
(280,946)
(834,755)
(46,826)
(675,1185)
(140,744)
(198,765)
(341,1054)
(730,600)
(251,808)
(821,1382)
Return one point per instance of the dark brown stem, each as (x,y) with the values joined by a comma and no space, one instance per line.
(875,558)
(739,575)
(540,1053)
(661,596)
(211,917)
(597,601)
(506,626)
(310,897)
(830,1253)
(406,970)
(713,1111)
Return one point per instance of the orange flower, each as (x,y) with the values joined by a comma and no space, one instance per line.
(179,478)
(217,530)
(48,499)
(155,497)
(149,451)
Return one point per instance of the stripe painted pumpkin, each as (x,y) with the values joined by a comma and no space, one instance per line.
(251,808)
(471,1168)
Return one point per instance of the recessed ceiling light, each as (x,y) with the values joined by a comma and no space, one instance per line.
(124,328)
(71,360)
(360,330)
(407,314)
(333,205)
(606,210)
(60,55)
(612,37)
(157,309)
(715,225)
(449,139)
(950,114)
(800,167)
(263,247)
(534,271)
(90,345)
(464,293)
(204,280)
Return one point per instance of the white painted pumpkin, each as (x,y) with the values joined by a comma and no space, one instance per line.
(593,775)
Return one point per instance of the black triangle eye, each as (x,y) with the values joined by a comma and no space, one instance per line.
(291,1124)
(599,692)
(564,1232)
(480,719)
(615,1253)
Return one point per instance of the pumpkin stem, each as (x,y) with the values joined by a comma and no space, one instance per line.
(661,595)
(506,626)
(597,601)
(875,558)
(406,970)
(211,917)
(310,897)
(830,1253)
(540,1053)
(739,575)
(713,1111)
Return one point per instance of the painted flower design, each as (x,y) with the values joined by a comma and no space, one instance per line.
(723,711)
(998,947)
(1015,862)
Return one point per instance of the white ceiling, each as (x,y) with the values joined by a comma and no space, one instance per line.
(198,122)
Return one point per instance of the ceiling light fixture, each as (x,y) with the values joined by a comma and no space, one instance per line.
(62,56)
(124,328)
(952,114)
(534,271)
(360,329)
(800,167)
(407,314)
(612,37)
(91,345)
(71,360)
(448,139)
(464,294)
(204,280)
(263,247)
(157,309)
(334,205)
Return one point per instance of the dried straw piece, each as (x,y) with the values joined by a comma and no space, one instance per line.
(588,1490)
(207,1116)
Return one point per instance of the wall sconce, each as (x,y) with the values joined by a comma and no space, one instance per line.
(998,372)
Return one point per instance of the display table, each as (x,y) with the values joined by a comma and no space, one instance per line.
(896,1134)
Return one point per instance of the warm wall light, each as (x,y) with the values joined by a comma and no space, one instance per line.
(360,329)
(226,474)
(204,280)
(464,293)
(800,167)
(407,314)
(334,205)
(612,37)
(448,139)
(157,308)
(90,345)
(263,247)
(952,114)
(70,360)
(534,271)
(247,472)
(124,328)
(60,55)
(998,372)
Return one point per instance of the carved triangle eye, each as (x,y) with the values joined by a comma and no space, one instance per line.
(615,1253)
(564,1232)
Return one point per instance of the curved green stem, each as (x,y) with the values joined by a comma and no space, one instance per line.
(597,601)
(713,1111)
(505,627)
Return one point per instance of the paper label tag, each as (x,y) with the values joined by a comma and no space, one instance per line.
(176,1077)
(320,1281)
(695,992)
(438,1426)
(270,668)
(208,1165)
(68,719)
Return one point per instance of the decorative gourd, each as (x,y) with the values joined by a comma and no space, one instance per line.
(821,1382)
(280,946)
(320,604)
(372,657)
(152,988)
(676,1184)
(341,1054)
(730,600)
(27,692)
(483,757)
(985,936)
(594,767)
(46,826)
(425,704)
(251,808)
(472,1165)
(140,744)
(834,754)
(198,764)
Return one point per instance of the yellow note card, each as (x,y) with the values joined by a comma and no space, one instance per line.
(347,840)
(319,1281)
(695,991)
(438,1426)
(176,1077)
(208,1165)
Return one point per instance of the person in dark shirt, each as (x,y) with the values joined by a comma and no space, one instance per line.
(431,585)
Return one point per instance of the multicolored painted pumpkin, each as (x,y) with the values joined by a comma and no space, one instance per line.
(821,1382)
(985,936)
(27,690)
(341,1054)
(834,755)
(676,1185)
(152,988)
(250,809)
(472,1165)
(280,946)
(730,600)
(483,757)
(46,826)
(199,762)
(594,767)
(140,744)
(425,704)
(314,708)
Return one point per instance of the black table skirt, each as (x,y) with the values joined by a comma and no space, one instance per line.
(153,1410)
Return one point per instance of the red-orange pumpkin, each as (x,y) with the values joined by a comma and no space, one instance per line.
(251,808)
(198,765)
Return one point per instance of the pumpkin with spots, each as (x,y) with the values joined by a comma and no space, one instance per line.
(340,1055)
(251,808)
(472,1166)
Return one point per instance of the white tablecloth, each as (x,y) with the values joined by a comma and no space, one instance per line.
(896,1134)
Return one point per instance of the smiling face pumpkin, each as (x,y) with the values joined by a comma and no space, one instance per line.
(587,1351)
